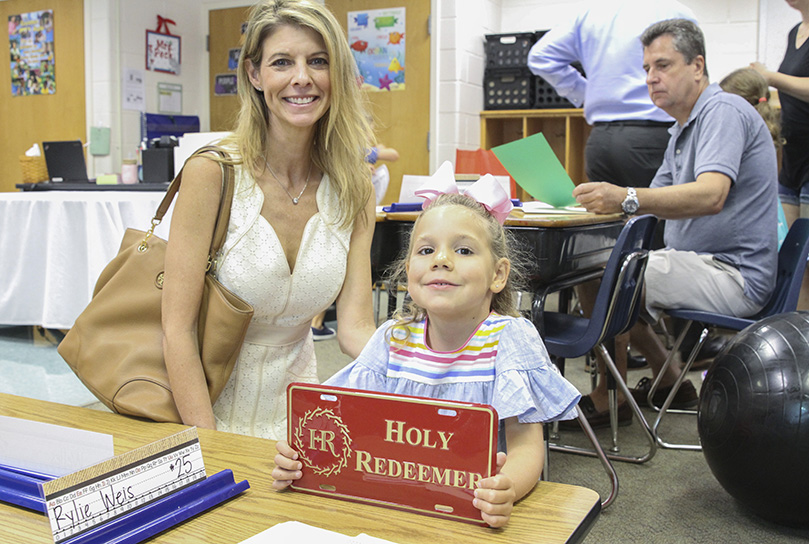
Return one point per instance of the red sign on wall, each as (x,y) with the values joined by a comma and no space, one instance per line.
(163,52)
(418,454)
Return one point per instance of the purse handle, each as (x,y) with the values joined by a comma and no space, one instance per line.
(222,218)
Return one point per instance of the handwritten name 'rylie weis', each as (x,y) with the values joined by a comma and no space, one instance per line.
(80,510)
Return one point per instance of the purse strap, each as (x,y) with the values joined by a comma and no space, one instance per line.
(225,201)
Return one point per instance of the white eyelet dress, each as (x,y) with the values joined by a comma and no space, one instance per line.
(278,348)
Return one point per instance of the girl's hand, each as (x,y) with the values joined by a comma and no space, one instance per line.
(495,496)
(287,467)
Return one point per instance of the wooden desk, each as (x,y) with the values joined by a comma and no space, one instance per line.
(560,245)
(553,512)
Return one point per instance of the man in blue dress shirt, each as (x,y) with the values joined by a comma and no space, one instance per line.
(629,133)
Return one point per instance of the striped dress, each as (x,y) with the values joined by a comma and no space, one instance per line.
(503,363)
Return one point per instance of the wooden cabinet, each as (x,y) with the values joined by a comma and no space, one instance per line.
(565,130)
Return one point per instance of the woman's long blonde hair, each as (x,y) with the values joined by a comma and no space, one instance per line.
(501,245)
(342,136)
(752,86)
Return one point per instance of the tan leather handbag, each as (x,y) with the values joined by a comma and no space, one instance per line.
(116,345)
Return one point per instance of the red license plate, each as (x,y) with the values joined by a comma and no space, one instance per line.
(419,454)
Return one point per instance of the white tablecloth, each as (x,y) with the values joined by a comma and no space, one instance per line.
(54,245)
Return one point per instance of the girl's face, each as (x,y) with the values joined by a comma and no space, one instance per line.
(293,76)
(451,271)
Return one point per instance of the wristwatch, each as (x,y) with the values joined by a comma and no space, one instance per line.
(630,204)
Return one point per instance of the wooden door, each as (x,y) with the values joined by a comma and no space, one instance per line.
(224,35)
(402,118)
(26,120)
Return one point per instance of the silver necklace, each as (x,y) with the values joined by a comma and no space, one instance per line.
(295,199)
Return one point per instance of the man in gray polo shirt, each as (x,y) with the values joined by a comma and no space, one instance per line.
(717,189)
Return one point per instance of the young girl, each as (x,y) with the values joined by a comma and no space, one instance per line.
(461,339)
(751,85)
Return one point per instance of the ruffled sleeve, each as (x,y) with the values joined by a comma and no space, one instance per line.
(527,384)
(368,371)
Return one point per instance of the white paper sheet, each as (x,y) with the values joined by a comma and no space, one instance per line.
(539,207)
(295,531)
(50,449)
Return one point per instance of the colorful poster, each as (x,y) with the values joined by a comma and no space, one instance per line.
(30,37)
(377,40)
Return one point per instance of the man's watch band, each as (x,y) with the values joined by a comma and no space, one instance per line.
(630,204)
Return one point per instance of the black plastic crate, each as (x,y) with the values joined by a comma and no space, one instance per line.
(546,97)
(509,50)
(509,90)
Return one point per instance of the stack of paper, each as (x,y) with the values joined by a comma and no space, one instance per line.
(543,208)
(295,531)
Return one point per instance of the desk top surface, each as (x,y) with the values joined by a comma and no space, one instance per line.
(92,186)
(557,220)
(553,512)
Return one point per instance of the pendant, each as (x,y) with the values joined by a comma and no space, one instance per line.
(295,201)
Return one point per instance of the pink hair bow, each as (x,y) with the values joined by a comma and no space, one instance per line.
(487,191)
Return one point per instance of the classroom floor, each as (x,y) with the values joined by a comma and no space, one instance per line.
(673,498)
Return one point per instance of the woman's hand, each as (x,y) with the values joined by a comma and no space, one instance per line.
(287,467)
(495,496)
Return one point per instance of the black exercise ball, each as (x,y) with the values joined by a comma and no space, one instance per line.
(754,418)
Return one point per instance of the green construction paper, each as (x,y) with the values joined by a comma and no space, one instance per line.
(535,167)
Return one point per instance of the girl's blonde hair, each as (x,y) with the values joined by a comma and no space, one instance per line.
(342,135)
(501,244)
(752,86)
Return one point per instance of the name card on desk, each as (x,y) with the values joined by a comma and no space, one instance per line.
(414,453)
(80,501)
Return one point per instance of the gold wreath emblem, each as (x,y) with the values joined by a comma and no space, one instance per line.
(345,453)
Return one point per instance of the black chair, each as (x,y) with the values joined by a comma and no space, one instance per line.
(791,266)
(615,311)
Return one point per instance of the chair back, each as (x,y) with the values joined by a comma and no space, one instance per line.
(618,301)
(791,266)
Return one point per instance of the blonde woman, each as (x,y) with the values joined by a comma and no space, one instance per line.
(301,224)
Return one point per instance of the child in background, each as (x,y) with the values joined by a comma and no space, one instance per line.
(751,85)
(461,338)
(380,176)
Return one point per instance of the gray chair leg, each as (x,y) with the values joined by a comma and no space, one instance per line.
(613,401)
(597,451)
(663,410)
(644,425)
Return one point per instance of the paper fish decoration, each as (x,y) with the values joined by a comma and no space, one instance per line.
(361,19)
(359,45)
(395,37)
(394,65)
(388,20)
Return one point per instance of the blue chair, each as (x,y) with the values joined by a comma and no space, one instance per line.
(614,312)
(791,266)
